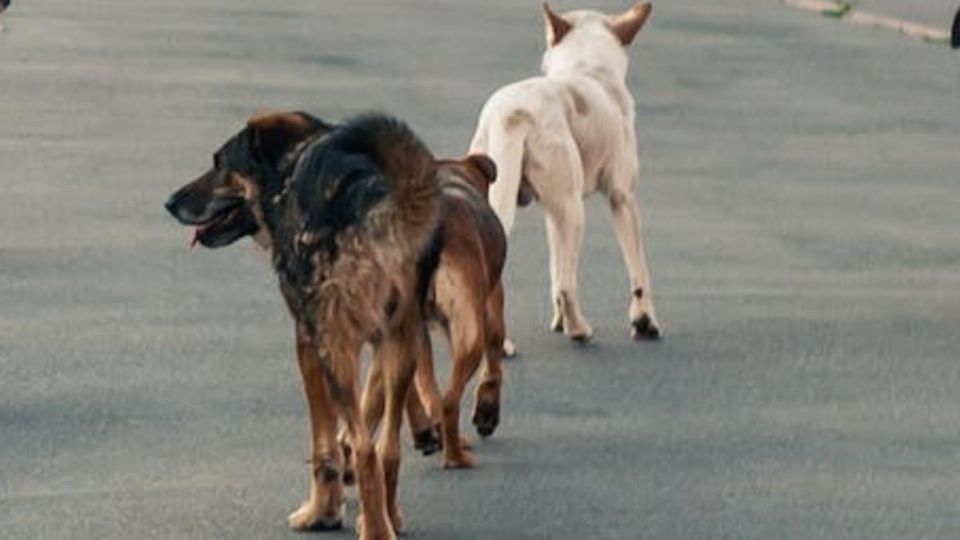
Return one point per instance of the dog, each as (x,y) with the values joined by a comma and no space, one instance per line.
(955,31)
(466,301)
(564,135)
(243,195)
(4,4)
(349,218)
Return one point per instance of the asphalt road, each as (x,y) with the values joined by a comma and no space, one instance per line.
(801,200)
(937,13)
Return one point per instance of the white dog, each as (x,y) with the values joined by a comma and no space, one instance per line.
(565,135)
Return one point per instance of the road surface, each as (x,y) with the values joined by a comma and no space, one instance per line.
(800,194)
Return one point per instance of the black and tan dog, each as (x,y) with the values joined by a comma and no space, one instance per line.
(356,218)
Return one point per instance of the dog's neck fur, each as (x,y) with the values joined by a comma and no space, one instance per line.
(272,200)
(278,236)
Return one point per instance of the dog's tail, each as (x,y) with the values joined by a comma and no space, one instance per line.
(410,171)
(504,141)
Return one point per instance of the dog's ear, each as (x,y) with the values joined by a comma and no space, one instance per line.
(272,134)
(477,170)
(626,25)
(483,165)
(556,26)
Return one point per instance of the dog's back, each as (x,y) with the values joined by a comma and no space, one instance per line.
(467,222)
(368,188)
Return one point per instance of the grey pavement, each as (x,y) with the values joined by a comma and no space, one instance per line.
(937,13)
(801,196)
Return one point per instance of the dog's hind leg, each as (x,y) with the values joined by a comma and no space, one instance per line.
(628,229)
(398,363)
(340,357)
(553,248)
(425,437)
(565,235)
(466,346)
(371,405)
(323,510)
(426,384)
(422,427)
(561,188)
(486,410)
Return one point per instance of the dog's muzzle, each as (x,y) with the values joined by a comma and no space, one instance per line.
(191,209)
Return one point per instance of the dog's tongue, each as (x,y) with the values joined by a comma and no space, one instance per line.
(195,239)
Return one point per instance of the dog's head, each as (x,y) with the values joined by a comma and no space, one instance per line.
(591,38)
(477,170)
(224,202)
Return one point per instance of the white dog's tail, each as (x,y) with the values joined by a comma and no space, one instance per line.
(505,146)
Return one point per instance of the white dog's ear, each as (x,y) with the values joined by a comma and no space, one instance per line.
(556,25)
(626,25)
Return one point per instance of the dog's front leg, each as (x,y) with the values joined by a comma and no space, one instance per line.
(323,509)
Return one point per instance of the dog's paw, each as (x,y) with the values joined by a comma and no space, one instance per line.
(509,348)
(581,333)
(458,460)
(645,328)
(310,517)
(427,441)
(581,339)
(556,324)
(364,532)
(396,519)
(348,475)
(486,418)
(567,315)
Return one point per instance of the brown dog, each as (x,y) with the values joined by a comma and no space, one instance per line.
(466,301)
(354,268)
(349,215)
